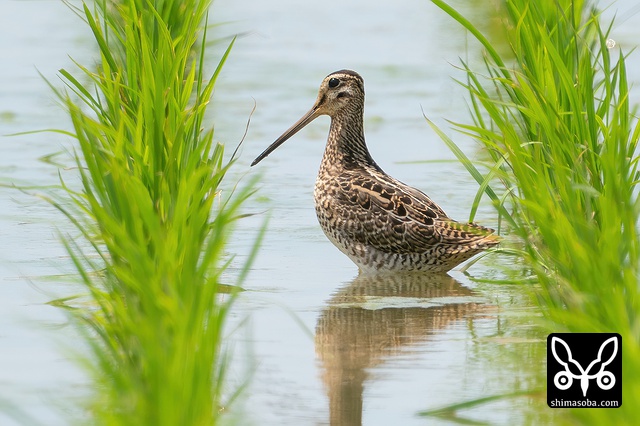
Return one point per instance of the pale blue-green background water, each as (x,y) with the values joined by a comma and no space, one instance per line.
(421,350)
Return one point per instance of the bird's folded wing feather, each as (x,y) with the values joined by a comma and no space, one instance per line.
(386,214)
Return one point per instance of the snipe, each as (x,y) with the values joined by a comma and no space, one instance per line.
(379,222)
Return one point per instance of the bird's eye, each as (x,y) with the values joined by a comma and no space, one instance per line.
(334,83)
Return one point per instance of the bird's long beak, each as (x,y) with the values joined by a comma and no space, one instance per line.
(306,119)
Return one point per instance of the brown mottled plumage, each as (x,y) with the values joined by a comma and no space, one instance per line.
(379,222)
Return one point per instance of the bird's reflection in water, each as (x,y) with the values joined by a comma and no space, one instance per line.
(373,318)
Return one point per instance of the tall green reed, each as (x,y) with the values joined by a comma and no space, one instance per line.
(562,137)
(151,208)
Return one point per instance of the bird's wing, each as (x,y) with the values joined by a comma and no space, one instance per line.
(384,213)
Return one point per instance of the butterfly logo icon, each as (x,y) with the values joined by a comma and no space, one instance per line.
(564,379)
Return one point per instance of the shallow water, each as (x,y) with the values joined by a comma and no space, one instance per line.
(319,345)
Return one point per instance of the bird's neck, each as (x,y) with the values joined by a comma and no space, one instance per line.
(346,146)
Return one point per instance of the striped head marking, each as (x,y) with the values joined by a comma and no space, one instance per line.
(339,89)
